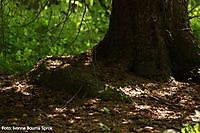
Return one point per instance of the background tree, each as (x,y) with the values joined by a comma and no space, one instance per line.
(151,38)
(2,26)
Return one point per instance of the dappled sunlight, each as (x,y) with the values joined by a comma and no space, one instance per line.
(59,110)
(142,107)
(158,112)
(164,113)
(109,68)
(153,106)
(18,87)
(53,64)
(166,91)
(172,93)
(135,91)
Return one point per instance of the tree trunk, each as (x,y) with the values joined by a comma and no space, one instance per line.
(151,38)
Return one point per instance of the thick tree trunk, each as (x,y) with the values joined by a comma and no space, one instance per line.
(151,38)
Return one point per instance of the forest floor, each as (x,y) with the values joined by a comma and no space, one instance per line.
(154,107)
(143,107)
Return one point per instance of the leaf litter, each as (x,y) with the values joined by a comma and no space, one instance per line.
(154,107)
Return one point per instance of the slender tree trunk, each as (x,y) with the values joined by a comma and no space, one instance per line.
(2,26)
(151,38)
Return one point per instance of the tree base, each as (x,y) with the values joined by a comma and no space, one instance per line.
(73,74)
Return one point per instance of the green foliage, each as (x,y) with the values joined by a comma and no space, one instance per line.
(194,16)
(34,29)
(115,94)
(105,110)
(104,127)
(191,128)
(195,23)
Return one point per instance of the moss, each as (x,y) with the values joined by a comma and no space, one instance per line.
(72,80)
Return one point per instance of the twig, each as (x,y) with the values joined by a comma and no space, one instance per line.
(72,98)
(37,16)
(62,22)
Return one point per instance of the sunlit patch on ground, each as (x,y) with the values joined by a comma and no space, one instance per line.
(154,108)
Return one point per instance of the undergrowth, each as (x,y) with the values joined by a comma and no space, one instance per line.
(32,30)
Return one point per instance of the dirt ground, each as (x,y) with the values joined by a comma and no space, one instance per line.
(153,107)
(140,106)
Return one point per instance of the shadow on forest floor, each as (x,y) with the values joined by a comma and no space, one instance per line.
(154,107)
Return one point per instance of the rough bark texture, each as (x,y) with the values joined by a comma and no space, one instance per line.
(151,38)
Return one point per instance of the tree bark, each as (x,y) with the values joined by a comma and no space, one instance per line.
(151,38)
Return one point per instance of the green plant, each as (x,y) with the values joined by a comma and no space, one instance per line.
(105,110)
(191,128)
(104,127)
(194,16)
(34,29)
